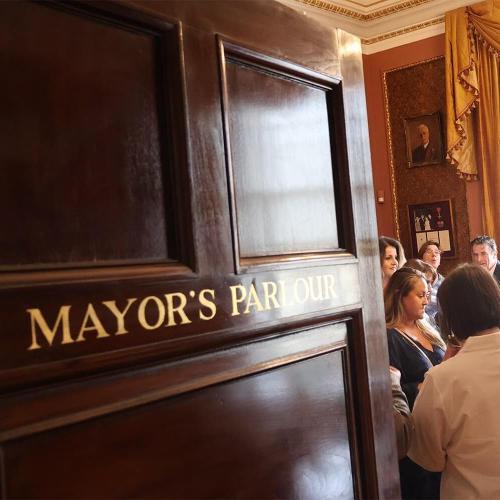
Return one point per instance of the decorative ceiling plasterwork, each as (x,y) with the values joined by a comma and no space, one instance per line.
(354,14)
(403,31)
(381,24)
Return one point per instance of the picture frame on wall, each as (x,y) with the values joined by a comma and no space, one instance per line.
(424,140)
(432,221)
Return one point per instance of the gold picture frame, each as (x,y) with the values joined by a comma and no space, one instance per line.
(424,140)
(432,221)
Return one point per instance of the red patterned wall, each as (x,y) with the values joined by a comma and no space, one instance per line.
(413,91)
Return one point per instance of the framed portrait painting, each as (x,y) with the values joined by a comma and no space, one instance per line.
(432,221)
(424,140)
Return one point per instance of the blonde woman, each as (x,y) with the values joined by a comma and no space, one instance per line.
(431,275)
(414,347)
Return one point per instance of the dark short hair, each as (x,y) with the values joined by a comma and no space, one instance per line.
(425,246)
(469,299)
(484,240)
(384,242)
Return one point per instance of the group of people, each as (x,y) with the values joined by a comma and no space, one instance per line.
(443,338)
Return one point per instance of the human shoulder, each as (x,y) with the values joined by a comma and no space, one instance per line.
(394,339)
(393,334)
(496,272)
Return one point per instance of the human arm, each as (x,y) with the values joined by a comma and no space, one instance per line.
(402,416)
(428,445)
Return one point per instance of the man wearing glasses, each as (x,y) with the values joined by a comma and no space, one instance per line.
(484,252)
(431,253)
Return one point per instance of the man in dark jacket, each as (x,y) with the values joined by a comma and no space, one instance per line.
(484,252)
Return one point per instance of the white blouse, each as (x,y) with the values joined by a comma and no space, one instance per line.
(457,421)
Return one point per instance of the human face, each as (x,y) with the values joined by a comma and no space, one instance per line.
(389,262)
(432,256)
(414,303)
(423,133)
(484,256)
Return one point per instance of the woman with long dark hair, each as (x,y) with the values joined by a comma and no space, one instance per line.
(457,429)
(392,257)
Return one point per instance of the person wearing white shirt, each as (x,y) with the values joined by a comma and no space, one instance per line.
(457,428)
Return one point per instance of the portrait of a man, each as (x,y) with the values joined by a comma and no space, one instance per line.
(425,151)
(423,140)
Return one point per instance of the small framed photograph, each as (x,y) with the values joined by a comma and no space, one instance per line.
(424,140)
(432,221)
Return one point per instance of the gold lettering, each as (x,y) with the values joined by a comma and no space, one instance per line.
(172,311)
(94,325)
(270,296)
(284,301)
(318,288)
(179,309)
(329,281)
(253,300)
(141,313)
(119,315)
(49,334)
(296,292)
(235,300)
(208,304)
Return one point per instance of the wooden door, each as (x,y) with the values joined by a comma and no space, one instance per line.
(190,304)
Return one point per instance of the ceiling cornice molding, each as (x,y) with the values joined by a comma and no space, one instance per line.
(380,24)
(403,31)
(353,14)
(410,34)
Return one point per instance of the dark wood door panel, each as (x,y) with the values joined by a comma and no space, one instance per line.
(86,165)
(74,329)
(279,434)
(34,410)
(278,141)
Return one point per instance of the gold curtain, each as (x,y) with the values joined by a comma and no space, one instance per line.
(473,101)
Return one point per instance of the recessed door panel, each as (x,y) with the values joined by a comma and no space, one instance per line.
(280,161)
(85,176)
(282,433)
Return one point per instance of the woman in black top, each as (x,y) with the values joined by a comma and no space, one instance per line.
(412,363)
(414,347)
